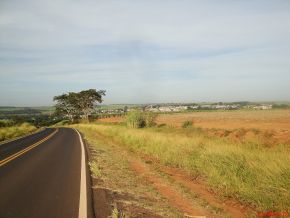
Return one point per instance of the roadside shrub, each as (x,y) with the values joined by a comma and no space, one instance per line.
(6,123)
(135,119)
(62,123)
(187,124)
(161,125)
(150,118)
(16,131)
(138,119)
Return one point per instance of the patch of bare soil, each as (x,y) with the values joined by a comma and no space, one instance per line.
(230,207)
(106,200)
(268,138)
(142,187)
(175,199)
(197,187)
(116,189)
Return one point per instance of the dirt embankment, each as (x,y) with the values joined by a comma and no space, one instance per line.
(132,186)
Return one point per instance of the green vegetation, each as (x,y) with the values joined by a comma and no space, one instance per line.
(16,131)
(6,123)
(135,119)
(187,124)
(36,116)
(62,123)
(138,119)
(78,104)
(280,106)
(117,214)
(149,118)
(25,110)
(253,174)
(111,167)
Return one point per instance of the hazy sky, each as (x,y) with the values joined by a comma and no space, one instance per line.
(144,51)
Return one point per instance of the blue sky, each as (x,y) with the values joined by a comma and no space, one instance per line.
(145,51)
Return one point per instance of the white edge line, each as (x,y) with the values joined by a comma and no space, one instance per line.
(83,182)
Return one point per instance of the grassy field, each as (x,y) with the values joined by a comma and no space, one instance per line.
(113,178)
(250,172)
(260,119)
(6,111)
(16,131)
(269,126)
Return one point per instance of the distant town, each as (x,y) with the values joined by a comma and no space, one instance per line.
(45,116)
(167,108)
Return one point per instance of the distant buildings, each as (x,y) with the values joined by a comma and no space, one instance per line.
(263,107)
(167,108)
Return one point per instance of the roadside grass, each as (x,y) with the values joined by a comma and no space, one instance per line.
(118,214)
(111,171)
(16,131)
(61,123)
(255,175)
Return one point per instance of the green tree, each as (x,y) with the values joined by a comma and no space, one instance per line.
(66,105)
(79,104)
(87,99)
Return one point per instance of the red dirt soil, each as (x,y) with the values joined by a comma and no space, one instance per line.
(196,186)
(231,207)
(174,197)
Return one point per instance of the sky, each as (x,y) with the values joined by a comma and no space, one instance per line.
(145,51)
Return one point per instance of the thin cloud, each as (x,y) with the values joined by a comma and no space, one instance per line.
(173,48)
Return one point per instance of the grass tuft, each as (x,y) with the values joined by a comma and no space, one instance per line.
(118,214)
(16,131)
(187,124)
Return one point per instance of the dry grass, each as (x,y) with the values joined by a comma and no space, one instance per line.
(112,172)
(269,126)
(251,173)
(16,131)
(255,119)
(260,119)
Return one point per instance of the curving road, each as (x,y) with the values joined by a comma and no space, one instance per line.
(44,175)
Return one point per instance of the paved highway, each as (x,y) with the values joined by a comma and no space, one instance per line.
(44,175)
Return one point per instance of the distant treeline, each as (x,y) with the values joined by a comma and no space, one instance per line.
(280,106)
(36,120)
(20,112)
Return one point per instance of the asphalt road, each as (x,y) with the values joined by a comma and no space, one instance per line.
(40,176)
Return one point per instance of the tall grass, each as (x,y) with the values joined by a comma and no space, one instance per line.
(254,174)
(138,119)
(135,119)
(187,124)
(16,131)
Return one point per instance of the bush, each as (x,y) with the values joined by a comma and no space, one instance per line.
(187,124)
(161,125)
(138,119)
(6,123)
(16,131)
(135,119)
(150,118)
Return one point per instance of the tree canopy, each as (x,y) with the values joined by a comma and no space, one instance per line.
(78,104)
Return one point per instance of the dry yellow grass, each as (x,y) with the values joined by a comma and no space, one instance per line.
(16,131)
(271,126)
(267,119)
(251,173)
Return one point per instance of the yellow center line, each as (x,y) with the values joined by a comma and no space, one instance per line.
(19,153)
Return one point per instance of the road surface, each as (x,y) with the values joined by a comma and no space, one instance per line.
(44,175)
